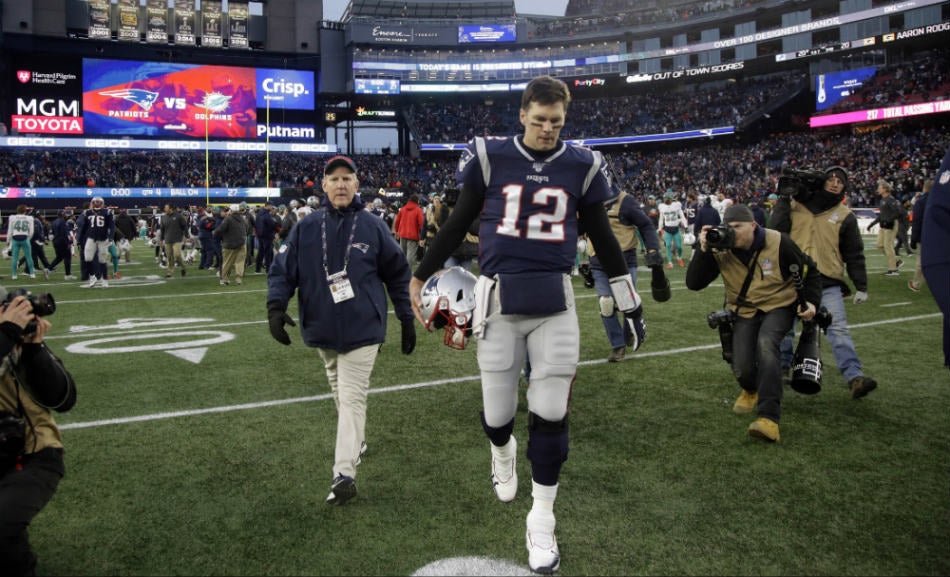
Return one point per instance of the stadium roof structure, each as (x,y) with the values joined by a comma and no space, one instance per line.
(435,9)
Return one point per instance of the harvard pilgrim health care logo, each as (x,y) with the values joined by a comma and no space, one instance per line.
(23,76)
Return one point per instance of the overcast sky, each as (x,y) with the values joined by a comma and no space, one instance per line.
(333,9)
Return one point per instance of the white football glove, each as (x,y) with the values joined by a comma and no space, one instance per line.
(860,297)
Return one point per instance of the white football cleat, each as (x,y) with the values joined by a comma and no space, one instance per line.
(543,554)
(504,476)
(92,281)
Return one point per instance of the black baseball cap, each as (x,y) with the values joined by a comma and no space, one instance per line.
(338,161)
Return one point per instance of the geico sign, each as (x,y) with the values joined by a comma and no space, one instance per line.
(47,107)
(30,141)
(48,124)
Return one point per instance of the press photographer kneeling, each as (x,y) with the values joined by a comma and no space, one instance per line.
(32,383)
(761,303)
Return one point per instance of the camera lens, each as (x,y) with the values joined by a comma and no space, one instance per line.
(43,304)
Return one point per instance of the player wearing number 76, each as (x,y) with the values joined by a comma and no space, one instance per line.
(533,192)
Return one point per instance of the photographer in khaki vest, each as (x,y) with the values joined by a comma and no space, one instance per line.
(629,224)
(32,383)
(828,232)
(761,305)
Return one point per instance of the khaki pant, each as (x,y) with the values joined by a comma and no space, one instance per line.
(233,260)
(885,242)
(918,271)
(173,253)
(348,374)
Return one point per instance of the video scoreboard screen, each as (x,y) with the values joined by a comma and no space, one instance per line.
(376,86)
(833,87)
(128,98)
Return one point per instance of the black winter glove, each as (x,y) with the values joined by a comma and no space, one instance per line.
(653,258)
(408,336)
(660,285)
(277,317)
(913,245)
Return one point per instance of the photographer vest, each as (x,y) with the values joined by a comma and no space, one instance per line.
(43,433)
(435,217)
(818,236)
(626,235)
(768,290)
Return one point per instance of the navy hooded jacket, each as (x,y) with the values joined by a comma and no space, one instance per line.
(376,266)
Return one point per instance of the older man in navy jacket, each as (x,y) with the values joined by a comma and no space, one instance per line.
(341,261)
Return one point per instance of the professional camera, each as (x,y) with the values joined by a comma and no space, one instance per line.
(799,184)
(12,435)
(43,305)
(823,319)
(721,236)
(450,196)
(723,320)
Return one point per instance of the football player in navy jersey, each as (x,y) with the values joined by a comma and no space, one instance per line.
(98,228)
(532,192)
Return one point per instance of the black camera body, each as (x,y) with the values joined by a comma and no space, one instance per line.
(721,236)
(799,184)
(43,305)
(450,196)
(12,435)
(723,320)
(823,319)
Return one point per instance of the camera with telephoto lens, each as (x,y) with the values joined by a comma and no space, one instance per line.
(721,236)
(823,319)
(43,305)
(723,320)
(799,184)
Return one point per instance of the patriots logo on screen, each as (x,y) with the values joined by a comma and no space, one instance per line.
(144,98)
(23,76)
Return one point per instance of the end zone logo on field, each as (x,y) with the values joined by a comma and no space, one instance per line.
(23,76)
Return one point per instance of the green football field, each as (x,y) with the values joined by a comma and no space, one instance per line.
(201,446)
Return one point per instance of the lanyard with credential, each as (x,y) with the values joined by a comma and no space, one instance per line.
(340,287)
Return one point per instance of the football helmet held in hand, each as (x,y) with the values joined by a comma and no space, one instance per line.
(448,300)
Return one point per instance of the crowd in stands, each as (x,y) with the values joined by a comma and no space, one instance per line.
(591,16)
(926,78)
(654,112)
(903,154)
(81,168)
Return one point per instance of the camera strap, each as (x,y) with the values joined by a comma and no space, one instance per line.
(740,299)
(54,388)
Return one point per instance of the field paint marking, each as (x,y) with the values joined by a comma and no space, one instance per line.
(396,388)
(134,323)
(90,347)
